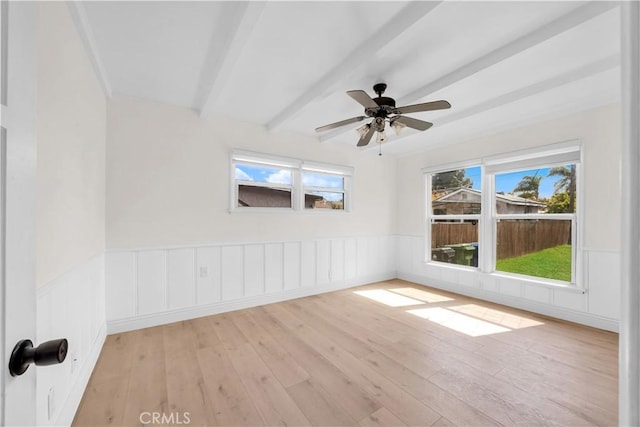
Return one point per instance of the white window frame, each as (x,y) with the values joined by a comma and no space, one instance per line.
(569,152)
(297,168)
(430,217)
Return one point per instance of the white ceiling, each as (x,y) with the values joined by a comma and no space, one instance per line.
(287,65)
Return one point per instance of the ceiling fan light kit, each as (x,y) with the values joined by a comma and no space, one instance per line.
(382,109)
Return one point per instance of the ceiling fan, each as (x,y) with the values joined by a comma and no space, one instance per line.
(383,109)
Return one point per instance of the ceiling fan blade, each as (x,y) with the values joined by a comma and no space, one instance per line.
(363,99)
(427,106)
(340,123)
(364,140)
(412,123)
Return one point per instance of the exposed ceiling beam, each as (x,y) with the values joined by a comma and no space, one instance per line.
(80,20)
(238,21)
(400,22)
(563,23)
(593,68)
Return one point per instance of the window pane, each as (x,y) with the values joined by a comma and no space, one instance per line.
(455,242)
(543,190)
(323,200)
(322,180)
(540,248)
(263,197)
(456,192)
(263,174)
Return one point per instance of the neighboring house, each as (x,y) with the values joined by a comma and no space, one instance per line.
(249,195)
(467,201)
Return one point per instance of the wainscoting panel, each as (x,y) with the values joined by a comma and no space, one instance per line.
(273,268)
(292,265)
(232,272)
(160,285)
(181,278)
(121,269)
(350,259)
(253,270)
(595,304)
(323,262)
(208,275)
(73,307)
(337,260)
(152,282)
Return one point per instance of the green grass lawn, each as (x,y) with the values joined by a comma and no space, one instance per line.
(552,263)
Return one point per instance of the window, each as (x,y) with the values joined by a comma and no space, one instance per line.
(535,219)
(263,186)
(264,182)
(323,191)
(526,224)
(455,207)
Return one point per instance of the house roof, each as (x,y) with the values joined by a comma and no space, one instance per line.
(507,198)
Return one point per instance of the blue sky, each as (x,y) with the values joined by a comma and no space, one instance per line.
(283,176)
(508,181)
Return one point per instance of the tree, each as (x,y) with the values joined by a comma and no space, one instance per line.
(566,183)
(451,180)
(558,203)
(528,187)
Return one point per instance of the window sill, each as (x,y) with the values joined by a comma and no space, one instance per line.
(288,211)
(529,280)
(540,281)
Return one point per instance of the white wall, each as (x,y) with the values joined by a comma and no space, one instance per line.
(71,134)
(599,131)
(71,128)
(168,181)
(168,218)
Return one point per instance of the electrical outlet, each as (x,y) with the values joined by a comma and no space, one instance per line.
(51,404)
(204,272)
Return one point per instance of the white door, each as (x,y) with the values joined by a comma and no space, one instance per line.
(17,206)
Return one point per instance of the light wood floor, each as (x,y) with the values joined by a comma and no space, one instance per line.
(344,358)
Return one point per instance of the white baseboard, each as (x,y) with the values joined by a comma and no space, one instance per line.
(70,406)
(528,305)
(170,316)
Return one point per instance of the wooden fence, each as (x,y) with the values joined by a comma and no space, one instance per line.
(514,237)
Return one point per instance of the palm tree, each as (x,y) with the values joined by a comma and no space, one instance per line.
(528,186)
(566,183)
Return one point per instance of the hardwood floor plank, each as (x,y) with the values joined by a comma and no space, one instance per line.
(284,367)
(203,333)
(341,337)
(351,398)
(402,404)
(341,358)
(505,402)
(272,400)
(186,391)
(319,406)
(381,418)
(147,390)
(103,402)
(229,400)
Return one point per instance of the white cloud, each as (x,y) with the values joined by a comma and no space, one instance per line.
(242,175)
(280,177)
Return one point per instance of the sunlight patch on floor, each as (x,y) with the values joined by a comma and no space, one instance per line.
(388,298)
(458,321)
(421,295)
(496,316)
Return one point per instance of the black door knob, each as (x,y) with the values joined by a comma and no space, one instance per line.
(47,353)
